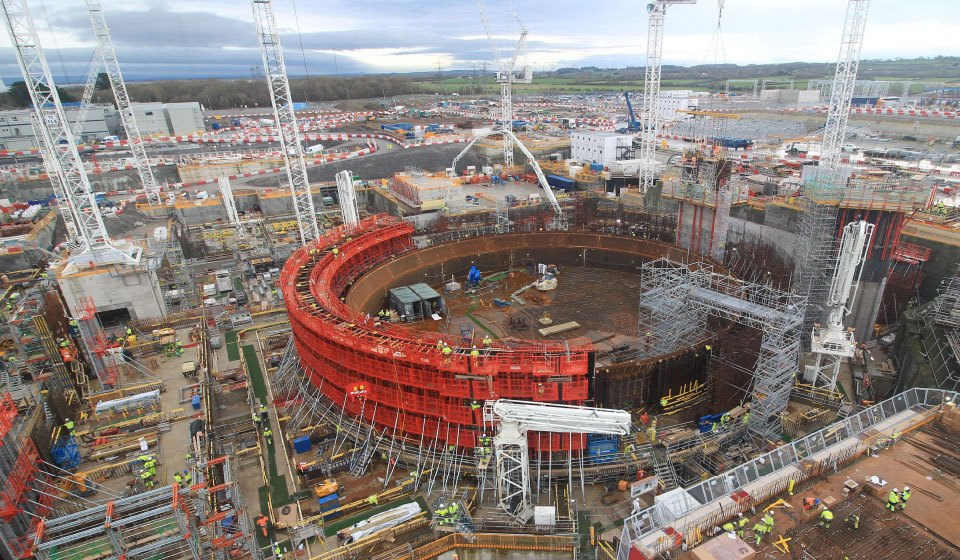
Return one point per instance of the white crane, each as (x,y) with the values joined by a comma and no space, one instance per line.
(91,84)
(515,418)
(650,112)
(134,141)
(506,77)
(841,95)
(75,197)
(285,119)
(832,342)
(347,195)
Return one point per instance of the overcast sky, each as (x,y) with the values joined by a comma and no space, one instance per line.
(216,38)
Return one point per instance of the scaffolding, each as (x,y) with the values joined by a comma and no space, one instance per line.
(675,295)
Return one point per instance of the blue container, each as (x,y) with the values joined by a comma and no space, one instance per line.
(563,183)
(302,444)
(601,448)
(329,503)
(596,167)
(195,401)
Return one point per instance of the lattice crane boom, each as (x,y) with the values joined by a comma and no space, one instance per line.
(844,83)
(89,86)
(112,66)
(64,159)
(650,112)
(286,119)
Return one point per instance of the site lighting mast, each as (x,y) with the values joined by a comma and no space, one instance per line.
(286,119)
(134,141)
(506,78)
(61,158)
(832,342)
(650,113)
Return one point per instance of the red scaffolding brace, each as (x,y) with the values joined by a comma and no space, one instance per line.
(8,411)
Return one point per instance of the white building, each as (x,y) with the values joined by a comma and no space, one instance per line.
(184,118)
(672,101)
(151,119)
(16,130)
(595,146)
(791,97)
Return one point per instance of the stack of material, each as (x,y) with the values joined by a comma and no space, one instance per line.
(950,417)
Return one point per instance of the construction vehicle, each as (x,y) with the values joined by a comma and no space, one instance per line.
(325,488)
(633,125)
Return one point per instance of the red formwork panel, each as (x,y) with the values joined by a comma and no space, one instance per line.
(410,387)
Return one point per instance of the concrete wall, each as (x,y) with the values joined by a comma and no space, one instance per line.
(136,291)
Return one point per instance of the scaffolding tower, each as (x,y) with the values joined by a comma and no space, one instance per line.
(696,291)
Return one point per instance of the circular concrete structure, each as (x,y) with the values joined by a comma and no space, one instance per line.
(397,378)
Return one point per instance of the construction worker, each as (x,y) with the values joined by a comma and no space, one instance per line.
(145,478)
(187,478)
(256,419)
(741,524)
(129,331)
(904,496)
(487,341)
(664,402)
(475,352)
(453,514)
(151,465)
(475,405)
(745,418)
(729,527)
(74,327)
(277,552)
(178,478)
(725,419)
(441,514)
(264,410)
(758,530)
(268,436)
(262,521)
(64,343)
(439,346)
(893,500)
(188,457)
(810,503)
(854,520)
(826,518)
(373,500)
(69,426)
(768,519)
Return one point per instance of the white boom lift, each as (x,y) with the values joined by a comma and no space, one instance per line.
(286,119)
(134,141)
(515,418)
(347,195)
(650,113)
(75,197)
(832,342)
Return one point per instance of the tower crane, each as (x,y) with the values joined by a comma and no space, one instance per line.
(650,113)
(507,76)
(832,343)
(75,197)
(90,85)
(286,119)
(134,141)
(816,252)
(514,419)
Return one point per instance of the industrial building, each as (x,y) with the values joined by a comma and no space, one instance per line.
(689,341)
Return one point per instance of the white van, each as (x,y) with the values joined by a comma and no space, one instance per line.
(111,139)
(315,149)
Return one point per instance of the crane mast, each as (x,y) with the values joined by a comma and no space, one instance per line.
(506,76)
(57,141)
(87,96)
(832,343)
(112,65)
(650,112)
(841,96)
(347,195)
(285,118)
(515,418)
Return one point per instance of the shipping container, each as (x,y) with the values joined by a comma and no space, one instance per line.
(563,183)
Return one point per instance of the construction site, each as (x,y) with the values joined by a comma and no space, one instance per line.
(521,327)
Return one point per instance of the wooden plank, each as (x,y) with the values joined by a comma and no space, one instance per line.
(562,327)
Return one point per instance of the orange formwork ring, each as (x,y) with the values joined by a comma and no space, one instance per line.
(409,384)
